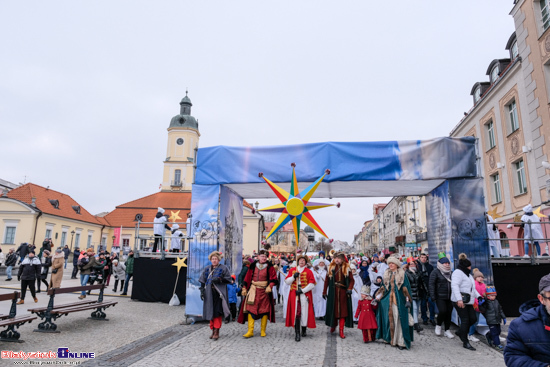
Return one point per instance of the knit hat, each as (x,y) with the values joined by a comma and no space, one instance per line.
(491,290)
(233,276)
(393,260)
(463,260)
(365,290)
(477,273)
(375,256)
(440,255)
(444,260)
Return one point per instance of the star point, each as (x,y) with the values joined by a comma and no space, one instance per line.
(180,263)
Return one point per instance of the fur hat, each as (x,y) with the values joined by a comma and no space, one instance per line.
(342,255)
(393,260)
(46,252)
(477,273)
(263,252)
(215,253)
(302,256)
(463,260)
(365,290)
(161,210)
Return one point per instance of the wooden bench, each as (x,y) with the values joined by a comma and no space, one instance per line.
(52,312)
(12,321)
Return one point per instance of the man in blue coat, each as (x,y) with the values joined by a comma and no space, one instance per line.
(528,341)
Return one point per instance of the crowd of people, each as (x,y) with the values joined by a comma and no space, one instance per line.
(47,268)
(385,296)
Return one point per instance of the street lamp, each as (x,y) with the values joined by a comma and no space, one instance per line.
(72,236)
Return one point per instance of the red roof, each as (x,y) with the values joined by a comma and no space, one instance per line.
(125,215)
(245,203)
(43,196)
(286,228)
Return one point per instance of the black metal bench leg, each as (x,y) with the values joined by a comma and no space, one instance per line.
(47,326)
(98,314)
(10,335)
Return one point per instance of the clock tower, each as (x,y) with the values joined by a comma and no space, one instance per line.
(181,152)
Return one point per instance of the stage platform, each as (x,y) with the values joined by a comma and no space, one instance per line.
(154,279)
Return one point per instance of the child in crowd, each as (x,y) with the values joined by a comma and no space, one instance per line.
(365,314)
(232,290)
(480,287)
(492,310)
(376,285)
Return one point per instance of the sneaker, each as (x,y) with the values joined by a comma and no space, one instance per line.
(448,334)
(7,280)
(499,347)
(525,255)
(438,330)
(472,338)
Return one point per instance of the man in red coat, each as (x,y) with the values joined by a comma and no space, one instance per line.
(299,310)
(258,302)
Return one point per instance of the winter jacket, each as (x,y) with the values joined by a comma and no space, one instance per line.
(66,252)
(119,271)
(58,260)
(87,269)
(76,255)
(462,283)
(11,259)
(160,226)
(99,267)
(46,263)
(416,283)
(129,265)
(232,290)
(528,342)
(439,286)
(425,270)
(23,250)
(492,310)
(29,269)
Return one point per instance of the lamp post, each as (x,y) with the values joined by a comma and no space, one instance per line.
(72,236)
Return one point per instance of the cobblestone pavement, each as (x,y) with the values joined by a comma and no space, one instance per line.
(149,334)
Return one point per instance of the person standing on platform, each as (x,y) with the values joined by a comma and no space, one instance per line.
(214,280)
(424,269)
(337,292)
(129,272)
(319,303)
(300,299)
(494,236)
(258,300)
(177,235)
(528,342)
(159,229)
(76,255)
(29,271)
(532,231)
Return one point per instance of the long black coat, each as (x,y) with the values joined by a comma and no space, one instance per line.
(46,267)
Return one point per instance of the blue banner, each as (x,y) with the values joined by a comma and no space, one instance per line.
(204,210)
(439,223)
(231,229)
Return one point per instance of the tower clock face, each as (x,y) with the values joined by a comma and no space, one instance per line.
(179,141)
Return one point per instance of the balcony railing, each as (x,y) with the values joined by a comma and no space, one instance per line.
(177,183)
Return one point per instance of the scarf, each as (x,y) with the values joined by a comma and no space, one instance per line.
(446,273)
(464,269)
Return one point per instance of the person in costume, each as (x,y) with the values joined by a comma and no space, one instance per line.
(319,303)
(356,294)
(299,310)
(284,289)
(159,227)
(394,307)
(494,236)
(177,235)
(532,230)
(366,315)
(337,291)
(258,302)
(214,280)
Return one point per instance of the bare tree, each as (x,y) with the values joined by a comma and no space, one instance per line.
(270,217)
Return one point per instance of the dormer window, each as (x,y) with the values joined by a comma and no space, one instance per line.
(514,50)
(477,95)
(76,208)
(494,74)
(55,203)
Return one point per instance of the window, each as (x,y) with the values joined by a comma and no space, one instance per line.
(103,240)
(477,95)
(545,12)
(77,240)
(495,180)
(55,203)
(490,134)
(504,241)
(521,182)
(9,236)
(494,74)
(513,116)
(76,208)
(89,243)
(63,239)
(514,50)
(48,233)
(125,242)
(177,176)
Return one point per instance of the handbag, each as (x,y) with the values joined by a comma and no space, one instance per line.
(54,271)
(465,297)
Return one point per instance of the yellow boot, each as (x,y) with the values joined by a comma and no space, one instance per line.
(250,332)
(264,325)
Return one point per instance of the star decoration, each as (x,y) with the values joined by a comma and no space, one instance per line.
(295,206)
(180,263)
(493,213)
(538,213)
(174,216)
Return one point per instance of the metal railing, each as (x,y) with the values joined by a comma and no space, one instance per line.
(163,238)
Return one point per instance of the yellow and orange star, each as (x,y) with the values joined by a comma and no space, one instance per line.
(295,206)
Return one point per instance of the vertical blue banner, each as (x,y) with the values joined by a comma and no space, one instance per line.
(231,229)
(469,224)
(439,223)
(204,226)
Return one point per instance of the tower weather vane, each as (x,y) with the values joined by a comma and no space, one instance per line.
(295,206)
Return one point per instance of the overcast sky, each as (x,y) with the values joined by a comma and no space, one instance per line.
(87,89)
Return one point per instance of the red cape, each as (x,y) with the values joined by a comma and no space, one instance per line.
(306,277)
